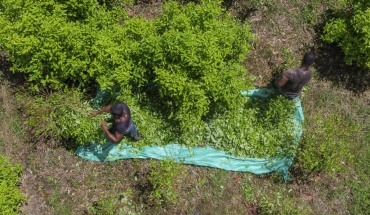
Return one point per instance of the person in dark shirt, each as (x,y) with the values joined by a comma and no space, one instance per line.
(292,81)
(122,123)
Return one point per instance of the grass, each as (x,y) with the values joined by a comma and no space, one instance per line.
(336,115)
(360,200)
(11,197)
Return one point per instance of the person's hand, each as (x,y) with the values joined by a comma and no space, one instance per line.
(94,113)
(103,125)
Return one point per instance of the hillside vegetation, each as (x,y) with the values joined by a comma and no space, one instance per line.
(180,66)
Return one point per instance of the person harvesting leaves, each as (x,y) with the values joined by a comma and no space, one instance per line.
(122,122)
(291,83)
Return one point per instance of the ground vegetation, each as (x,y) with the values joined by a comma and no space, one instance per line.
(330,171)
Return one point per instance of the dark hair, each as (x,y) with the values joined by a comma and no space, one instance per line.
(308,59)
(116,110)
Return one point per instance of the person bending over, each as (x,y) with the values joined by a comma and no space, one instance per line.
(291,83)
(122,122)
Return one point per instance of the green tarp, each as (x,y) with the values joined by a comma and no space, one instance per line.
(201,156)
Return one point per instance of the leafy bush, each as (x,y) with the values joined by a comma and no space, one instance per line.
(116,204)
(188,61)
(10,195)
(180,74)
(189,56)
(58,42)
(164,177)
(351,31)
(325,149)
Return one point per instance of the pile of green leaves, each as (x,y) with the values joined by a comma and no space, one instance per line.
(261,128)
(10,195)
(63,115)
(264,128)
(350,30)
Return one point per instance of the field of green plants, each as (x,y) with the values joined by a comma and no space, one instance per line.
(180,67)
(180,73)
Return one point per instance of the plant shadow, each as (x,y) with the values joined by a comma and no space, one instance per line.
(330,64)
(241,9)
(15,79)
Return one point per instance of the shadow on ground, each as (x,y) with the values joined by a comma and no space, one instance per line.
(13,78)
(330,65)
(241,9)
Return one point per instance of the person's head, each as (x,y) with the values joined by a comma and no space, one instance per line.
(116,110)
(308,59)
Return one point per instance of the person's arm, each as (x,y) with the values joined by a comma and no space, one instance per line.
(281,82)
(115,138)
(104,109)
(283,79)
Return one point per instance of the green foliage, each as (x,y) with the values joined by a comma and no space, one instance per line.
(164,176)
(358,4)
(180,74)
(63,115)
(351,31)
(191,60)
(325,148)
(359,184)
(264,128)
(117,204)
(270,199)
(189,56)
(152,125)
(57,42)
(10,196)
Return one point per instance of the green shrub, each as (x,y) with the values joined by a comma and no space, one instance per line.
(190,60)
(116,204)
(58,42)
(351,31)
(164,176)
(10,196)
(180,74)
(189,56)
(325,149)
